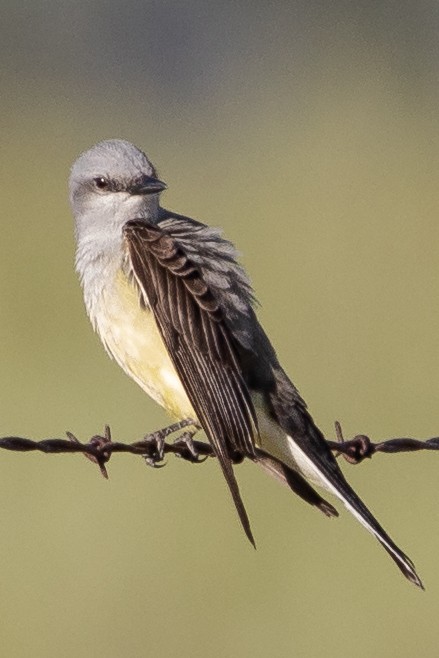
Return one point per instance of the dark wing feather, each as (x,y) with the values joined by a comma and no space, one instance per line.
(199,344)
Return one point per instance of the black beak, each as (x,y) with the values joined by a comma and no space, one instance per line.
(148,185)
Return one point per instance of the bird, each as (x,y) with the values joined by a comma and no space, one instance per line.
(175,309)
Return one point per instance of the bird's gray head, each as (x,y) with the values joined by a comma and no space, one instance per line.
(110,184)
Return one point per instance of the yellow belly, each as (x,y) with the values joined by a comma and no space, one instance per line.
(130,335)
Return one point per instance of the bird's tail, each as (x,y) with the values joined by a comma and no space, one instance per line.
(322,469)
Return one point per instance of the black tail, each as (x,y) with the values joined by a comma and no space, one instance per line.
(310,451)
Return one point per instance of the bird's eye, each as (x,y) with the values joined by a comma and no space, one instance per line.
(101,183)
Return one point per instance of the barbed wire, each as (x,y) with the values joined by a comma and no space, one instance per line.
(154,446)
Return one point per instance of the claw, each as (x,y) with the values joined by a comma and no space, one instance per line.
(153,462)
(192,453)
(155,450)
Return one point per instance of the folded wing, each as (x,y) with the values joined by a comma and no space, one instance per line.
(195,333)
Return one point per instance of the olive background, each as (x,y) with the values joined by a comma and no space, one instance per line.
(309,132)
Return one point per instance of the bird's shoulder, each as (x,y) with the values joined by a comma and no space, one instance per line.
(216,259)
(216,256)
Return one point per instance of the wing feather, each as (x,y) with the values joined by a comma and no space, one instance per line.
(199,342)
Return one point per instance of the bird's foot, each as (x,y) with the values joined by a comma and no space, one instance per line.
(190,452)
(155,441)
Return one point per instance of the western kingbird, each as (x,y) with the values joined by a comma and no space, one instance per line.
(174,308)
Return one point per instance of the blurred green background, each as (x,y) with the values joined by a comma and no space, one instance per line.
(309,131)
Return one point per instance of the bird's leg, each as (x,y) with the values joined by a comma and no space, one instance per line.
(156,441)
